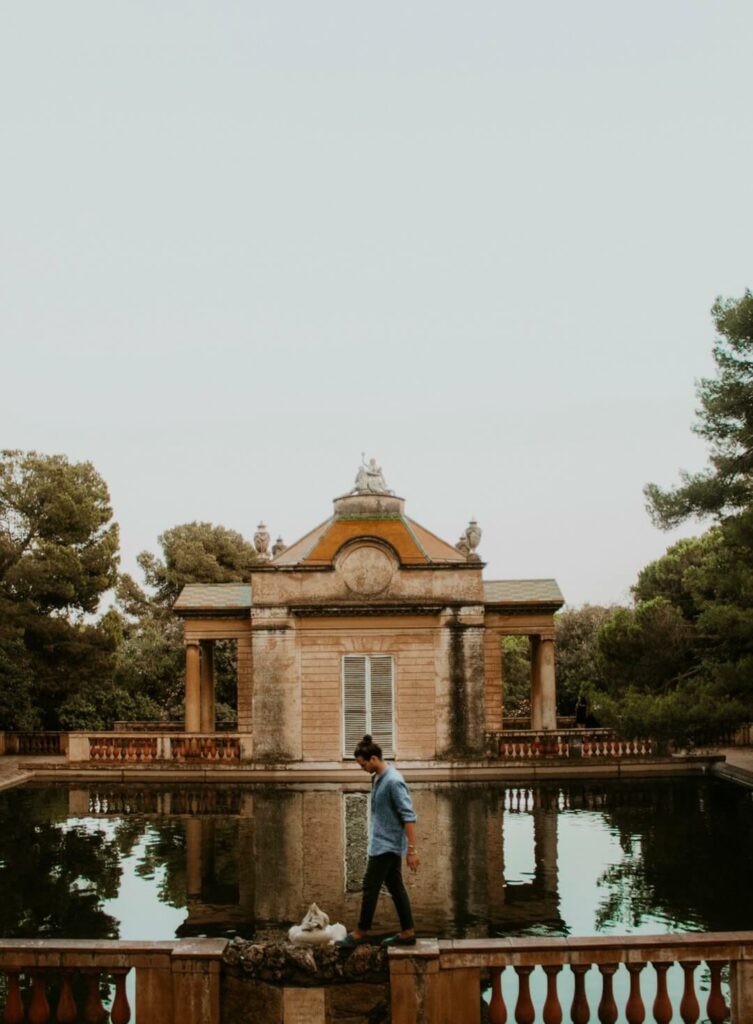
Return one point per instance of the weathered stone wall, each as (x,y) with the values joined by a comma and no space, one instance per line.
(315,587)
(412,644)
(276,688)
(460,687)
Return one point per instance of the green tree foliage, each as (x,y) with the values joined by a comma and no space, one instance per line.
(579,659)
(196,553)
(646,648)
(680,664)
(151,661)
(675,576)
(516,676)
(58,556)
(725,421)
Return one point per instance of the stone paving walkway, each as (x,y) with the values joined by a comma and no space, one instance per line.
(738,766)
(11,773)
(15,770)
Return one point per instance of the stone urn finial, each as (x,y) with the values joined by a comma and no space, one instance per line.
(469,541)
(261,542)
(278,547)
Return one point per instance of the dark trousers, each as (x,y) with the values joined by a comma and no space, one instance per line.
(385,869)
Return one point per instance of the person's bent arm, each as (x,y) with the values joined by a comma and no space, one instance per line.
(412,858)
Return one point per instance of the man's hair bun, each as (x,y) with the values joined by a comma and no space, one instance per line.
(367,749)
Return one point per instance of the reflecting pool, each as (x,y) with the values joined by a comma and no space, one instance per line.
(153,861)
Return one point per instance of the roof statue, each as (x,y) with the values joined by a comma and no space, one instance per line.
(370,479)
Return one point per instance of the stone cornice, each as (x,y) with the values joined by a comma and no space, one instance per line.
(356,610)
(519,608)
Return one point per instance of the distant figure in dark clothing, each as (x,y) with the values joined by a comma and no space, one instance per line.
(392,834)
(581,712)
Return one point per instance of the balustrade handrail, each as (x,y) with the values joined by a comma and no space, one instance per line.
(176,980)
(449,975)
(677,947)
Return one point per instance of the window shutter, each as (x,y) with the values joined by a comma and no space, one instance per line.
(382,703)
(354,702)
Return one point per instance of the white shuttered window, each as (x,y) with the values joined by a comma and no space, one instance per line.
(368,701)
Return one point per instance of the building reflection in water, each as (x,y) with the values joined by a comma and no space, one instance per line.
(255,857)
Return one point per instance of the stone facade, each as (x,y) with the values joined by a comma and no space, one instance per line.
(372,589)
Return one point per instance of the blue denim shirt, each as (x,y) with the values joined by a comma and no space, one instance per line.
(391,807)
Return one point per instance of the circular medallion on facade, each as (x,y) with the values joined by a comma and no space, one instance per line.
(367,569)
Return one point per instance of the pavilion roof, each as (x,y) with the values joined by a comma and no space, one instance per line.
(214,597)
(414,544)
(522,592)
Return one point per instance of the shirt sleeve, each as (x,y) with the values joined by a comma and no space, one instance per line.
(401,801)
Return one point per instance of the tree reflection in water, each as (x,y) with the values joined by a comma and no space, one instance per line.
(56,876)
(688,856)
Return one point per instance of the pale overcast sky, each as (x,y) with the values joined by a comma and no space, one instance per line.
(242,242)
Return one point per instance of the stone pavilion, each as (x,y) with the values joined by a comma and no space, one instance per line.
(368,623)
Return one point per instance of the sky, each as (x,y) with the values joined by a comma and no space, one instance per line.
(243,242)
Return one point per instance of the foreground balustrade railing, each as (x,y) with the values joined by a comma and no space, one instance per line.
(63,981)
(442,982)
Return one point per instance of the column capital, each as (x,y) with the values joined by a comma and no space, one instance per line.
(192,643)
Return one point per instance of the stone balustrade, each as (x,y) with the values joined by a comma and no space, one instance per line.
(34,744)
(527,745)
(111,748)
(441,982)
(63,981)
(607,979)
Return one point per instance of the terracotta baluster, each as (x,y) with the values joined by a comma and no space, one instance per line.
(14,1006)
(579,1011)
(39,1008)
(662,1006)
(607,1010)
(497,1008)
(94,1011)
(716,1008)
(121,1011)
(524,1011)
(690,1011)
(635,1011)
(552,1008)
(67,1012)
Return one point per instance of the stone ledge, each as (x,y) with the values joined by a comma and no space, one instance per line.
(282,963)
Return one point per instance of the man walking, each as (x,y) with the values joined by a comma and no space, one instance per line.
(392,834)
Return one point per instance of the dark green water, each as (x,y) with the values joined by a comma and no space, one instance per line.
(589,858)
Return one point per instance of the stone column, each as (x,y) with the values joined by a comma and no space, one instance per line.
(493,679)
(193,687)
(545,849)
(741,991)
(462,706)
(536,701)
(245,684)
(193,857)
(548,687)
(207,686)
